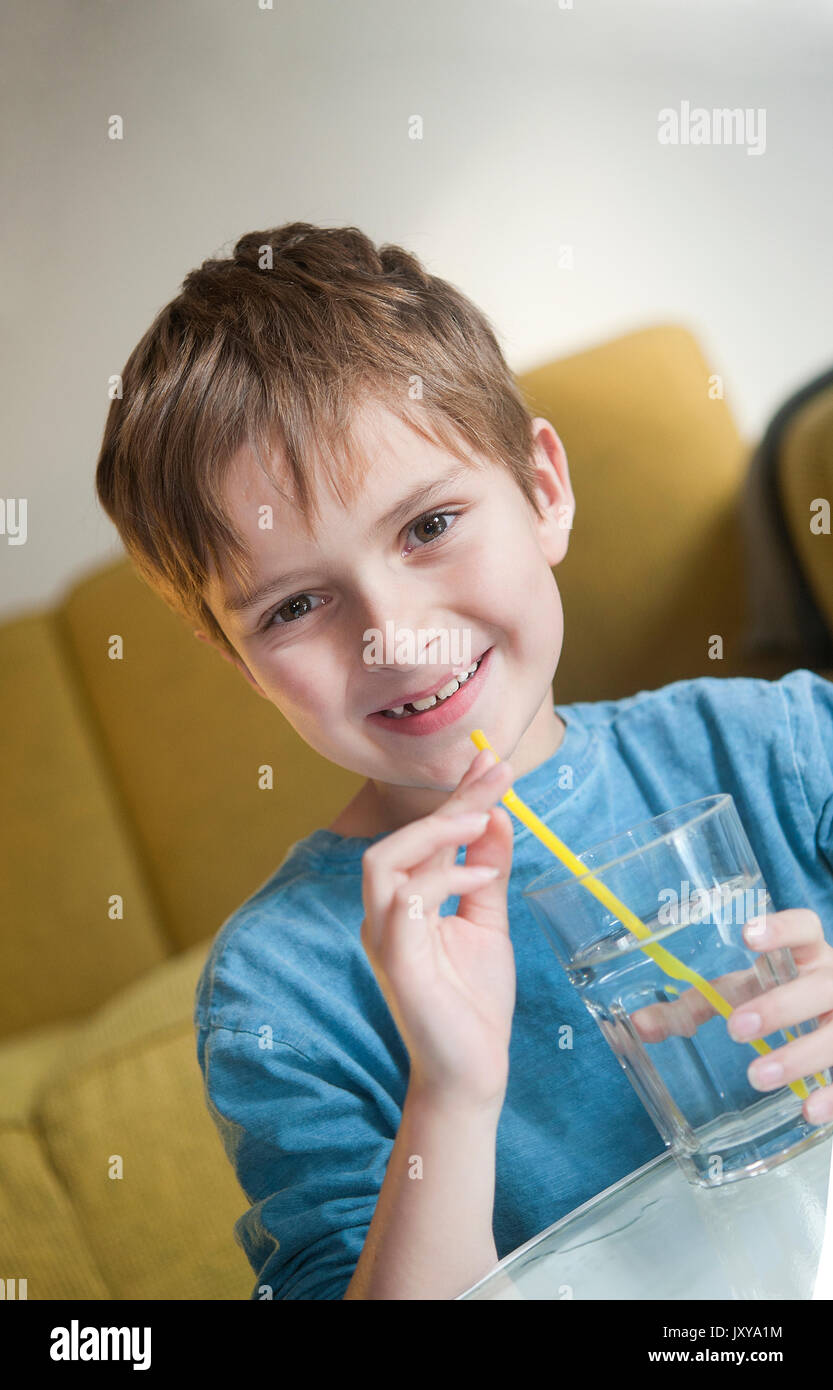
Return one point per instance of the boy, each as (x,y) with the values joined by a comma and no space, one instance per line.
(318,439)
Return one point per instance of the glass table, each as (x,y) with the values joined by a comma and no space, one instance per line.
(653,1235)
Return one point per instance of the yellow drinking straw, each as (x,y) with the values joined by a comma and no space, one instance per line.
(664,959)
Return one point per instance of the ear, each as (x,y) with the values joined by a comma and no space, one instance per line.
(554,492)
(233,661)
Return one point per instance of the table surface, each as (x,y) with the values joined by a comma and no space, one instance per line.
(654,1235)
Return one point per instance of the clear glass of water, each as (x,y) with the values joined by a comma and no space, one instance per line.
(692,879)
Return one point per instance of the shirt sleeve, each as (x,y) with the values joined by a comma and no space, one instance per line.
(808,701)
(310,1146)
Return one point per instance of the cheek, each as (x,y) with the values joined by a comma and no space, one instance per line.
(495,579)
(510,554)
(300,689)
(521,588)
(539,621)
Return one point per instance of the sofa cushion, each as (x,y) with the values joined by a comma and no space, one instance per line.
(130,1090)
(654,566)
(25,1061)
(43,1240)
(67,845)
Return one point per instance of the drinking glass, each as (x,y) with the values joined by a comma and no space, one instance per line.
(691,877)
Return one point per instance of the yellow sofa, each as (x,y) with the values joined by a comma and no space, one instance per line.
(135,825)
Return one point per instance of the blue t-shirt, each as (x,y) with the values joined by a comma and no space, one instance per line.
(305,1071)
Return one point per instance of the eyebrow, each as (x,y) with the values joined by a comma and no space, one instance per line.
(416,500)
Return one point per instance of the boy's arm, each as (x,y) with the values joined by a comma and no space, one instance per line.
(450,986)
(431,1233)
(311,1087)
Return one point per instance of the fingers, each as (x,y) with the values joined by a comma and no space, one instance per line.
(783,1006)
(682,1017)
(420,896)
(483,767)
(818,1109)
(430,844)
(389,861)
(486,904)
(484,777)
(412,843)
(800,931)
(481,902)
(408,847)
(770,1011)
(799,928)
(480,763)
(807,1055)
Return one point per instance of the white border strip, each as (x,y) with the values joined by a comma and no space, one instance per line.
(824,1277)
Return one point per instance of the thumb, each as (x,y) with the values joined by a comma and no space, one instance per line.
(486,904)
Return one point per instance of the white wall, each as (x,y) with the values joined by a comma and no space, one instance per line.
(540,130)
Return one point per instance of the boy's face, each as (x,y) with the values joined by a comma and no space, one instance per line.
(470,558)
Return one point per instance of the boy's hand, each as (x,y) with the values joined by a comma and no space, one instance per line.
(449,981)
(783,1006)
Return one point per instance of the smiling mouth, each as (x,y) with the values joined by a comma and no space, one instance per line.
(446,692)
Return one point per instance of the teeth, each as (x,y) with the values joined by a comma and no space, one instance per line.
(446,690)
(427,703)
(402,711)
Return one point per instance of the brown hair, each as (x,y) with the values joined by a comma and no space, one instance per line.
(274,347)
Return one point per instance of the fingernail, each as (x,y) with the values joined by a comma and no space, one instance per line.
(501,763)
(765,1074)
(470,820)
(755,929)
(818,1106)
(745,1026)
(485,870)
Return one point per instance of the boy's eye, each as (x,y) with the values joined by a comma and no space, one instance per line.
(290,611)
(294,608)
(428,523)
